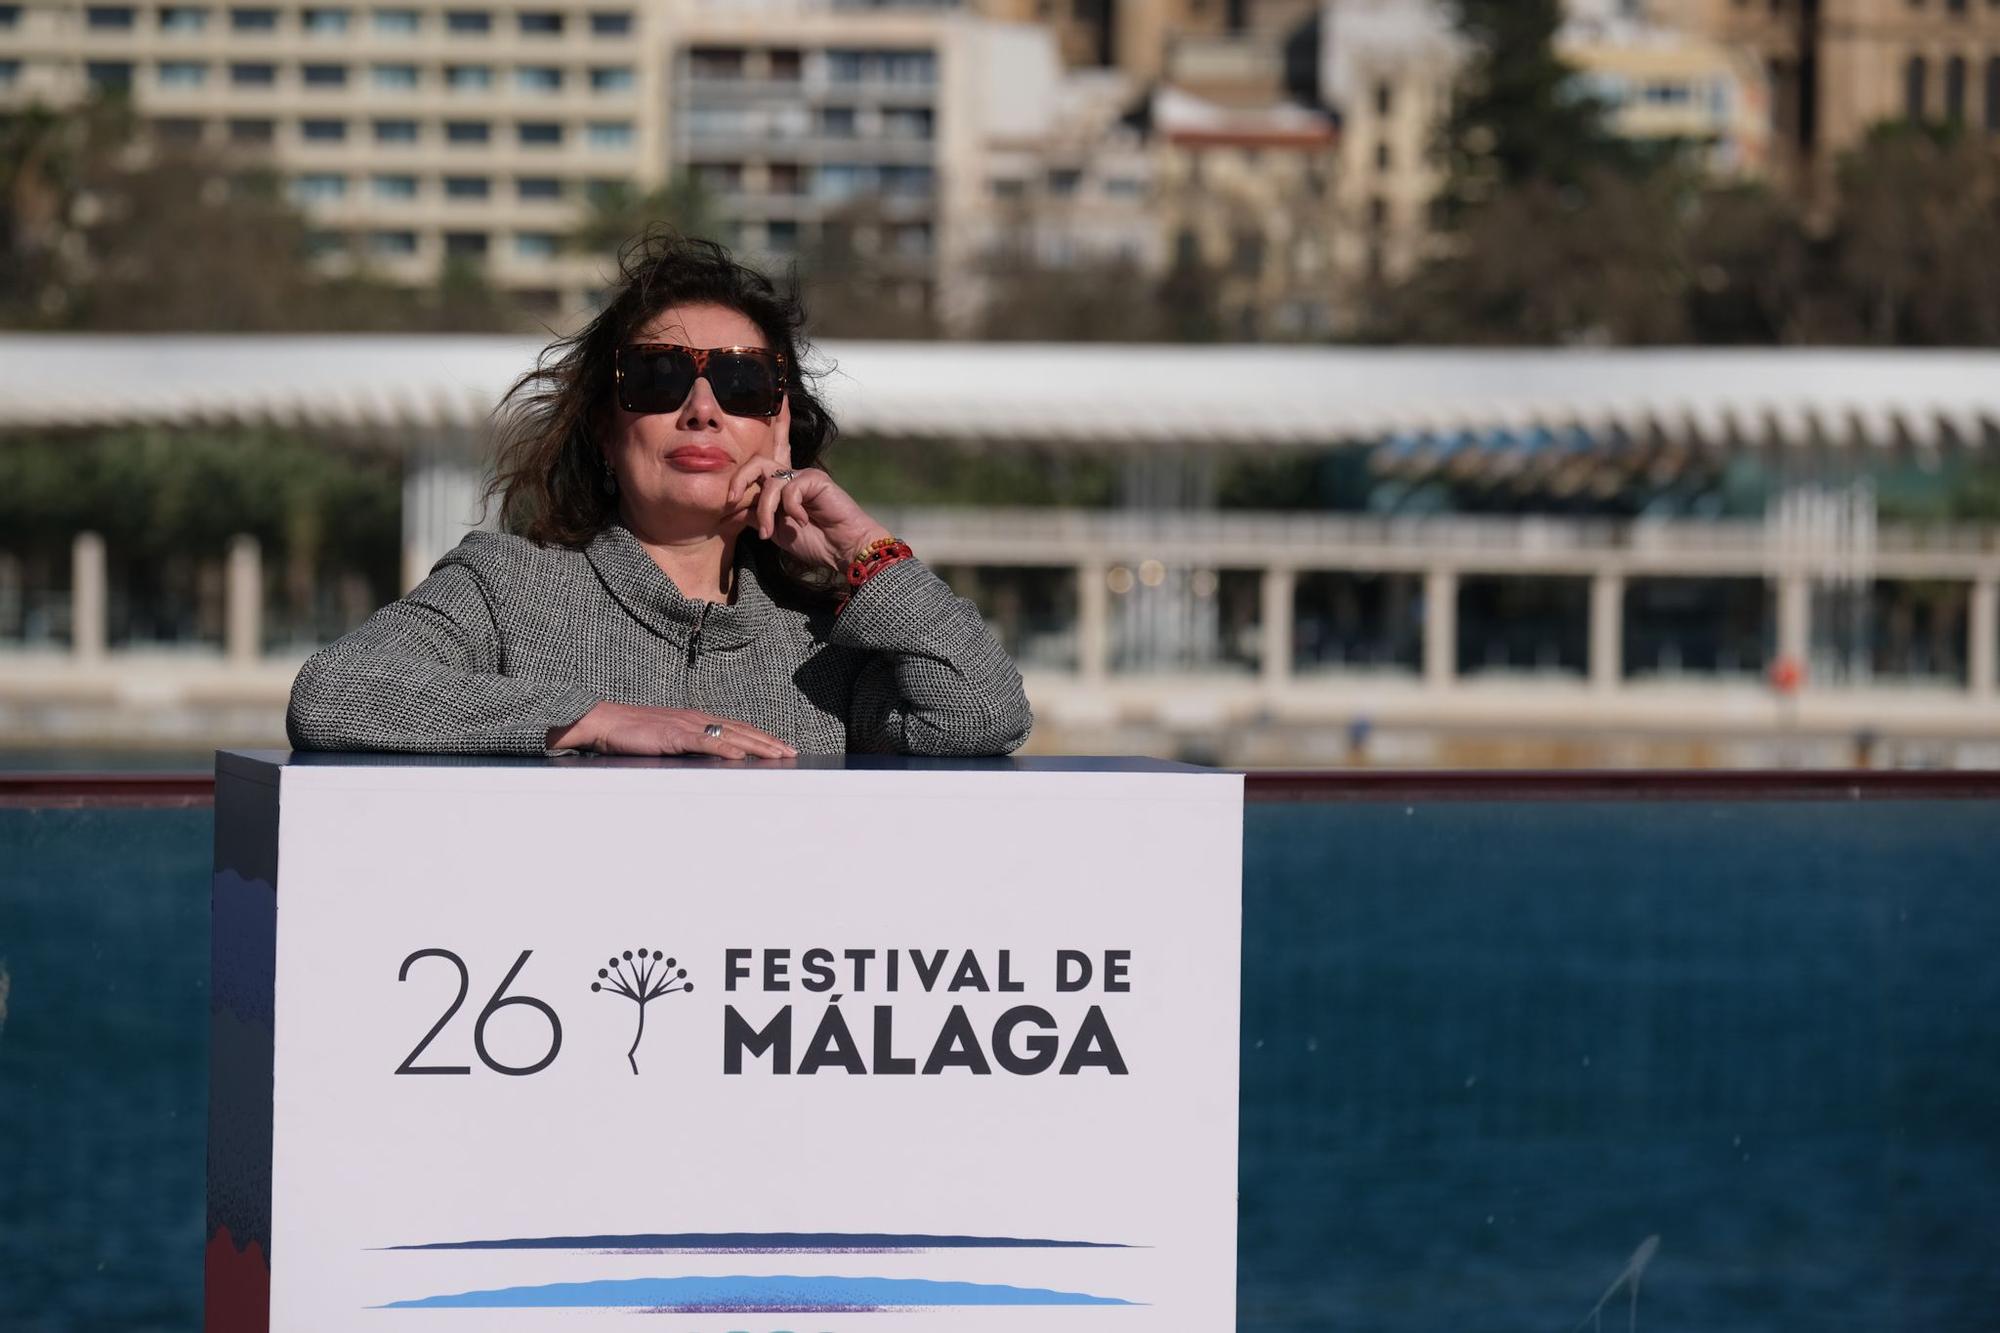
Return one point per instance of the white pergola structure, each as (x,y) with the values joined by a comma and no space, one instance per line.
(1424,412)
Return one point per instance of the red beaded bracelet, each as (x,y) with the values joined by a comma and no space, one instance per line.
(871,560)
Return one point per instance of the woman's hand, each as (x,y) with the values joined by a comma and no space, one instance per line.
(613,728)
(809,516)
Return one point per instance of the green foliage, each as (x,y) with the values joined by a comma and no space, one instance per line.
(619,213)
(930,472)
(156,493)
(1519,115)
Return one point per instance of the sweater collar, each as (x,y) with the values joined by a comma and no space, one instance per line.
(645,591)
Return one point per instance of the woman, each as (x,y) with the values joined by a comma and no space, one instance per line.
(678,575)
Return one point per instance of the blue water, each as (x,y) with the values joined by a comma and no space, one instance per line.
(1489,1050)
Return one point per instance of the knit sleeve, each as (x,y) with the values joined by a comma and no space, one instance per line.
(425,674)
(937,682)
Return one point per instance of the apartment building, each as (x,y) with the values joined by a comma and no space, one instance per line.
(408,133)
(1838,67)
(834,130)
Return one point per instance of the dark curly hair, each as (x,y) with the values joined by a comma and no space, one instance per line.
(547,473)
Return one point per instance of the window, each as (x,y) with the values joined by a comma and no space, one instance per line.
(535,244)
(605,191)
(1993,95)
(468,78)
(322,244)
(909,67)
(1954,90)
(540,133)
(468,22)
(906,122)
(715,62)
(323,76)
(183,18)
(253,74)
(10,73)
(392,187)
(393,77)
(837,122)
(611,79)
(782,235)
(183,73)
(538,79)
(537,188)
(726,177)
(109,75)
(541,23)
(252,131)
(606,23)
(465,244)
(392,244)
(1008,187)
(10,17)
(178,129)
(1382,156)
(609,134)
(1064,181)
(253,20)
(1125,187)
(1246,253)
(1385,98)
(323,131)
(395,131)
(843,180)
(908,182)
(324,22)
(1915,75)
(395,20)
(467,131)
(785,178)
(107,18)
(787,66)
(318,187)
(467,187)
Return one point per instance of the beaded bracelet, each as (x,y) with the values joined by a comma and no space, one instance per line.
(872,559)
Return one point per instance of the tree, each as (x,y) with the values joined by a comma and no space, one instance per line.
(1519,115)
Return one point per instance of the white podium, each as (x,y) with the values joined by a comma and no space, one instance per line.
(849,1043)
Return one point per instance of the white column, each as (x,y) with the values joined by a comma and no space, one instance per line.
(1093,621)
(243,600)
(1440,627)
(1607,630)
(1275,646)
(87,598)
(1795,618)
(1983,625)
(441,501)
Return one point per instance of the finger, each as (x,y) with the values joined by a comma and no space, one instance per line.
(745,734)
(793,499)
(761,741)
(703,743)
(767,503)
(784,424)
(747,475)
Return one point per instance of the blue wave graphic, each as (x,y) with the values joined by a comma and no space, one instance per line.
(754,1295)
(768,1242)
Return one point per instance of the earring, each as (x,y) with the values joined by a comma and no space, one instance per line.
(610,482)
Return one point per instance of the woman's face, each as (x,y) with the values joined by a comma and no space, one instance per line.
(678,464)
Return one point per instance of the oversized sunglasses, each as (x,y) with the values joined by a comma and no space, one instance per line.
(658,377)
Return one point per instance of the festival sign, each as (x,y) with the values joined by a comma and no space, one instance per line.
(839,1044)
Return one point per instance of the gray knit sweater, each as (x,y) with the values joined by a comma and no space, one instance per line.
(506,640)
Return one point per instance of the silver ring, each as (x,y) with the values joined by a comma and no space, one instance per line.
(713,731)
(785,472)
